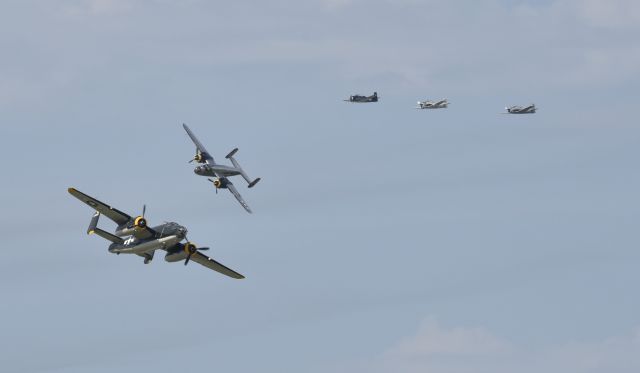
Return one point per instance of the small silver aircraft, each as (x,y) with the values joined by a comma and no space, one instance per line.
(134,236)
(209,167)
(531,109)
(428,104)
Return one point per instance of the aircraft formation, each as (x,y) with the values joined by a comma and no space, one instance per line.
(134,236)
(441,104)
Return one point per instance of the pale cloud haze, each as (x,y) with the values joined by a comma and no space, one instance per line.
(435,348)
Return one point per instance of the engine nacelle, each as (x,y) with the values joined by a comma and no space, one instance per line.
(176,254)
(220,183)
(175,257)
(140,222)
(199,158)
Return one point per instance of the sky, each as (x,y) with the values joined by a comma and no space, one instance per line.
(384,238)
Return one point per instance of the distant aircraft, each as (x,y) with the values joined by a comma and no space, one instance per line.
(209,167)
(144,241)
(363,99)
(428,104)
(531,109)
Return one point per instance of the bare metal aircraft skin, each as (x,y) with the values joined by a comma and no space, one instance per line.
(429,104)
(363,99)
(209,167)
(134,236)
(531,109)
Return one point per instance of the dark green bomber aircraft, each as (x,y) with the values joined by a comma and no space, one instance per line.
(133,236)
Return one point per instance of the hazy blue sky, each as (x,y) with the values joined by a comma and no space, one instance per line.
(384,239)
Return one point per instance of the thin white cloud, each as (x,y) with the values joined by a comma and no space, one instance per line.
(613,14)
(432,340)
(447,46)
(434,348)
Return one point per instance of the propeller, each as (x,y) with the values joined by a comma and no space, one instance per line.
(197,158)
(191,249)
(140,221)
(214,184)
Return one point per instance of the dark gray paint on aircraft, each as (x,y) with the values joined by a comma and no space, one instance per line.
(134,236)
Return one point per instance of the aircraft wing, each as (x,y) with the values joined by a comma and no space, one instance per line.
(200,258)
(205,154)
(529,108)
(235,193)
(441,102)
(116,215)
(144,233)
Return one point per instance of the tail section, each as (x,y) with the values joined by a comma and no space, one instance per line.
(237,165)
(93,228)
(94,223)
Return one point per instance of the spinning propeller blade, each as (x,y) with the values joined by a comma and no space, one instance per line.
(214,183)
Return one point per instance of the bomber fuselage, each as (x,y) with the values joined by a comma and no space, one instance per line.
(213,169)
(166,236)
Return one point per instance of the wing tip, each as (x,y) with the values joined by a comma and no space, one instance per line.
(71,190)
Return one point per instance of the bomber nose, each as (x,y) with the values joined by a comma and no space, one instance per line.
(182,231)
(197,170)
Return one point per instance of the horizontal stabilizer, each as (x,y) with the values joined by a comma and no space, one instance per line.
(107,236)
(232,153)
(253,183)
(237,166)
(94,222)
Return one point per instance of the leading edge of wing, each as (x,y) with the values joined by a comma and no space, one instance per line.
(204,260)
(236,194)
(116,215)
(198,144)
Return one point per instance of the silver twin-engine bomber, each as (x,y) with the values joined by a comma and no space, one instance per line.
(220,173)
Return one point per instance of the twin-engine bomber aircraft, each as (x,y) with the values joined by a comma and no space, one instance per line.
(363,99)
(531,109)
(209,167)
(428,104)
(144,241)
